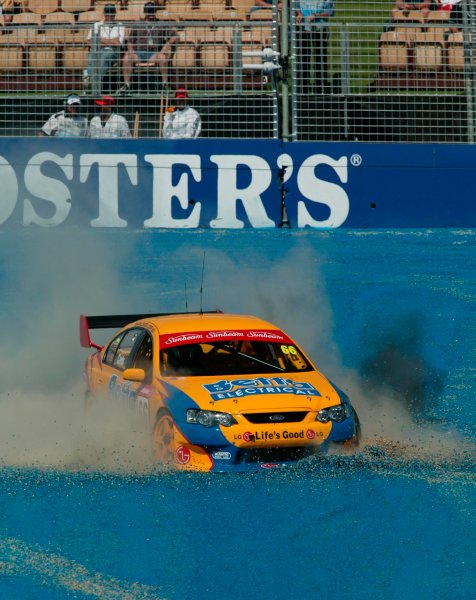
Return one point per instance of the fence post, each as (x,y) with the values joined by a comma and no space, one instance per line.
(468,18)
(284,70)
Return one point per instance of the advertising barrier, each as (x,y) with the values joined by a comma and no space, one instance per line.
(232,184)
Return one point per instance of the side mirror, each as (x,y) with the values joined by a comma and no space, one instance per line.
(134,375)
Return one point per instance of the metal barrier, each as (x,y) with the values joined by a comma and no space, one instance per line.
(361,73)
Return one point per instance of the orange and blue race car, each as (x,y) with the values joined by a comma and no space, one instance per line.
(222,392)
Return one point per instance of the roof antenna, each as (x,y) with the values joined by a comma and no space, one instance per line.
(201,285)
(186,299)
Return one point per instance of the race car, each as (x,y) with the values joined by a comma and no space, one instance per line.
(221,392)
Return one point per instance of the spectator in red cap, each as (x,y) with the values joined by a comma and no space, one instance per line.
(181,121)
(108,124)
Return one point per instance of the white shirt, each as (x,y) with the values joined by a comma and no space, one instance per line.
(109,30)
(61,124)
(185,123)
(115,127)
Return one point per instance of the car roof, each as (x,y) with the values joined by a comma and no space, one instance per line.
(205,321)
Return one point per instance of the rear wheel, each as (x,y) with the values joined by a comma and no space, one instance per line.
(163,439)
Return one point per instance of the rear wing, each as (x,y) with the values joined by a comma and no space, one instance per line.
(87,322)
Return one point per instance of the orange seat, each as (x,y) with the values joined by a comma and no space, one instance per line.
(42,7)
(11,58)
(393,50)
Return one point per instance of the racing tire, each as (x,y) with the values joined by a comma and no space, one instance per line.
(163,439)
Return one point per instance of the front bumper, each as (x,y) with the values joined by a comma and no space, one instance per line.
(254,448)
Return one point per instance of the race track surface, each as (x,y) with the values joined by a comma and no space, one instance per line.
(387,315)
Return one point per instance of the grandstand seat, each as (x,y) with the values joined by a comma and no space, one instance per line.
(11,57)
(411,16)
(193,35)
(90,16)
(75,57)
(26,19)
(132,13)
(220,12)
(455,52)
(218,35)
(263,14)
(438,16)
(409,32)
(184,57)
(393,50)
(41,57)
(42,7)
(197,14)
(174,10)
(428,52)
(59,18)
(261,35)
(76,6)
(215,56)
(242,8)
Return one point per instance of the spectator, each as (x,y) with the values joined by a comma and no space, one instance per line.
(456,13)
(182,121)
(111,36)
(312,41)
(108,124)
(405,6)
(8,8)
(148,43)
(68,122)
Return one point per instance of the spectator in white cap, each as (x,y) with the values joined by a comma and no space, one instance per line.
(67,122)
(181,121)
(108,124)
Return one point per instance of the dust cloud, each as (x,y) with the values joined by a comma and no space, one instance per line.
(53,277)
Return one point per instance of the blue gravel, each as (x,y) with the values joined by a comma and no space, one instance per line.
(396,307)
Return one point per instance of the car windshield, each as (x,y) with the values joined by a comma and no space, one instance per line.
(237,357)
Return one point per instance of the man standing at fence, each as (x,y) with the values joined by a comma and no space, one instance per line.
(149,43)
(181,121)
(67,122)
(312,37)
(106,39)
(108,124)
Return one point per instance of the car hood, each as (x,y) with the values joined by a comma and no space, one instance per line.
(234,394)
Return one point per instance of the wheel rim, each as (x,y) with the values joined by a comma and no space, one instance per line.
(164,440)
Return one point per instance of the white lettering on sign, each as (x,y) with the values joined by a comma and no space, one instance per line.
(168,196)
(163,190)
(48,189)
(9,194)
(108,189)
(324,192)
(228,193)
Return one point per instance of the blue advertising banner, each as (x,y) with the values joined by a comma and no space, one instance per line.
(233,184)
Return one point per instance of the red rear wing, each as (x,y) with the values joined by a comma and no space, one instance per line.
(116,321)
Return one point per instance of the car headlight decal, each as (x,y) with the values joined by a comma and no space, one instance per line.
(209,418)
(337,413)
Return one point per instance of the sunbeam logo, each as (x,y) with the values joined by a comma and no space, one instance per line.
(237,388)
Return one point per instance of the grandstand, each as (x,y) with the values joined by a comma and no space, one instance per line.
(403,79)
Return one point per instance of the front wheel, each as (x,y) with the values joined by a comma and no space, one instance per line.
(163,439)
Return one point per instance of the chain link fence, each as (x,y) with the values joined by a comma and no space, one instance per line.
(304,70)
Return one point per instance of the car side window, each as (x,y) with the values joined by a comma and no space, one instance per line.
(125,347)
(111,351)
(143,357)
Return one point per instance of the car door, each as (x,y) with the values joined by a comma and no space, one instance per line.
(130,349)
